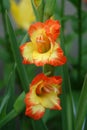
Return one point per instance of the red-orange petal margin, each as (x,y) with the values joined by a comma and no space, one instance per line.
(50,80)
(30,106)
(52,28)
(60,60)
(22,47)
(35,27)
(24,61)
(57,106)
(36,116)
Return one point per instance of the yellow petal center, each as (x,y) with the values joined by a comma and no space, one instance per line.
(43,44)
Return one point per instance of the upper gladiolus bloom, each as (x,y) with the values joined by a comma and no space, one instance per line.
(44,92)
(22,13)
(43,48)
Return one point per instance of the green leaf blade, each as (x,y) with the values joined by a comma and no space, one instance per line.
(16,54)
(67,100)
(82,107)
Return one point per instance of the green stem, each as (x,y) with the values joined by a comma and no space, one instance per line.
(33,124)
(82,107)
(4,20)
(8,117)
(62,12)
(67,103)
(79,38)
(48,70)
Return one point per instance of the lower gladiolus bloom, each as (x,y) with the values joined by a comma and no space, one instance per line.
(44,92)
(22,13)
(43,49)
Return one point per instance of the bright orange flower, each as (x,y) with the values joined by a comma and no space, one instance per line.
(44,92)
(43,49)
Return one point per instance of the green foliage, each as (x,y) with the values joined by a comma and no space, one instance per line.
(19,104)
(25,123)
(38,7)
(84,21)
(37,3)
(74,2)
(8,92)
(16,77)
(17,57)
(68,111)
(48,12)
(82,107)
(6,4)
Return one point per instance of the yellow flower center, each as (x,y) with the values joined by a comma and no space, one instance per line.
(43,44)
(43,88)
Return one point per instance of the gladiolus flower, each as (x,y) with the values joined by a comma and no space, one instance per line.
(22,13)
(44,92)
(43,49)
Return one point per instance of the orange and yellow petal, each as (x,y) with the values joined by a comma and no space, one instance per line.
(35,31)
(51,101)
(57,57)
(35,111)
(43,77)
(35,27)
(44,92)
(27,51)
(50,89)
(53,57)
(49,29)
(33,107)
(52,28)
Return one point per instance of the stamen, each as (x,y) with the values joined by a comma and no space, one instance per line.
(44,88)
(47,89)
(43,44)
